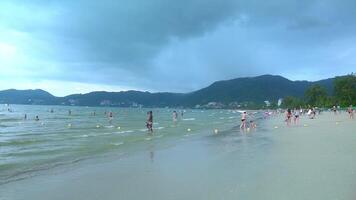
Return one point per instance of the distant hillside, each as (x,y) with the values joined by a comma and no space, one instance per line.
(254,89)
(223,93)
(26,97)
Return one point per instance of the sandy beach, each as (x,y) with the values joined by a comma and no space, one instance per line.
(313,160)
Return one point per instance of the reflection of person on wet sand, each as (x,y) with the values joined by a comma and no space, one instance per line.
(152,156)
(151,152)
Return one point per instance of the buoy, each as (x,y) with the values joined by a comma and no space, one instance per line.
(69,125)
(276,127)
(216,131)
(98,126)
(118,127)
(188,129)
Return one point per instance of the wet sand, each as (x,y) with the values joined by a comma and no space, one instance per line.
(313,160)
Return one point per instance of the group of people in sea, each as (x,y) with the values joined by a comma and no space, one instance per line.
(290,114)
(244,125)
(311,112)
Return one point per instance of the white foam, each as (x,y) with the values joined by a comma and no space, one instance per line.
(117,143)
(129,131)
(188,119)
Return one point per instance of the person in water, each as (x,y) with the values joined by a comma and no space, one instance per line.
(350,111)
(25,117)
(37,118)
(149,123)
(110,117)
(252,124)
(175,116)
(69,112)
(335,110)
(243,120)
(296,116)
(288,116)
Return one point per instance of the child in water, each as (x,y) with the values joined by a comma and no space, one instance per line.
(252,124)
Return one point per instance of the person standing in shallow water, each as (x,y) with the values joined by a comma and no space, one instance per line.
(111,116)
(334,109)
(351,112)
(288,116)
(296,116)
(149,123)
(175,116)
(243,120)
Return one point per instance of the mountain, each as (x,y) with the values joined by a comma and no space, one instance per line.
(27,97)
(253,90)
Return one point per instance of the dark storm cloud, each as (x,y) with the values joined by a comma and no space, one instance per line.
(183,45)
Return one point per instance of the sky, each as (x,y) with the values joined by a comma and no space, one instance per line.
(78,46)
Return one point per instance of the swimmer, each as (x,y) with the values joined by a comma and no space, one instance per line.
(69,112)
(149,123)
(37,118)
(243,120)
(25,117)
(51,111)
(350,111)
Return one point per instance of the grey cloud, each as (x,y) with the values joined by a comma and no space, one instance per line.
(185,44)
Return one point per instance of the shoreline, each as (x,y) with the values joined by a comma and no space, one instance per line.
(301,161)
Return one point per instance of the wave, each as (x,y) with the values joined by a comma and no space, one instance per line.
(188,119)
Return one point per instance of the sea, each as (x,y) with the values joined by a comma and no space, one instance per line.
(64,135)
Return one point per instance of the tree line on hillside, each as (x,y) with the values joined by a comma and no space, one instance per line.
(344,95)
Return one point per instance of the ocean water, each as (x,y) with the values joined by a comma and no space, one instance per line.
(28,146)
